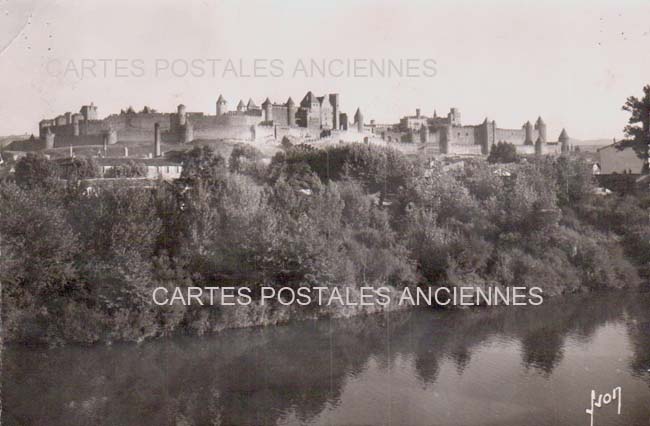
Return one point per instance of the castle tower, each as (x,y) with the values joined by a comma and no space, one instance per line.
(539,146)
(251,105)
(187,134)
(487,135)
(291,112)
(89,112)
(528,130)
(241,106)
(112,137)
(424,134)
(42,128)
(334,100)
(445,140)
(182,115)
(267,107)
(222,106)
(75,128)
(343,118)
(358,120)
(417,112)
(454,117)
(105,144)
(156,140)
(540,126)
(564,141)
(49,139)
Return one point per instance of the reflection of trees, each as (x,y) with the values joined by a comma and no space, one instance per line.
(638,327)
(542,350)
(259,376)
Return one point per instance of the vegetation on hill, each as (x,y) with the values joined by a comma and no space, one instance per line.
(81,268)
(503,152)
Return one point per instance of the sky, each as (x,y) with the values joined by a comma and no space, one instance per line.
(572,62)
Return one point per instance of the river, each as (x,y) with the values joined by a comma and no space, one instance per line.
(498,366)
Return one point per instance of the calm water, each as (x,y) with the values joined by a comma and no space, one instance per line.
(508,366)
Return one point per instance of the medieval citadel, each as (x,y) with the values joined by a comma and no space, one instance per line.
(314,119)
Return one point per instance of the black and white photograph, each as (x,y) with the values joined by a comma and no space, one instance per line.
(324,213)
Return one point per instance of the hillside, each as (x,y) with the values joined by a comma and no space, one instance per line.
(6,140)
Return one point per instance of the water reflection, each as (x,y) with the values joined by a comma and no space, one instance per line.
(349,371)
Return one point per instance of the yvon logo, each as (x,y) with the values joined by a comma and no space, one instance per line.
(603,399)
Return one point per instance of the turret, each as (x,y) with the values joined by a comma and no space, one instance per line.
(89,112)
(454,117)
(112,137)
(343,118)
(334,100)
(250,105)
(539,146)
(156,140)
(182,115)
(222,106)
(528,130)
(42,128)
(105,144)
(267,107)
(291,112)
(241,107)
(445,140)
(540,126)
(49,139)
(424,134)
(564,141)
(358,120)
(487,137)
(188,133)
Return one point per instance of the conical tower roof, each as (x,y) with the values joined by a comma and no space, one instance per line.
(290,102)
(358,114)
(564,136)
(241,104)
(251,104)
(266,102)
(221,100)
(539,120)
(308,100)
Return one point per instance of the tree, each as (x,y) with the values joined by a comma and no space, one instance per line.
(35,170)
(638,127)
(503,152)
(245,159)
(203,163)
(81,168)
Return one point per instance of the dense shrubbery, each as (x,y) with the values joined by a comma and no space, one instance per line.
(503,152)
(79,267)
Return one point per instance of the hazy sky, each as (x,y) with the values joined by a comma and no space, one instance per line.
(572,62)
